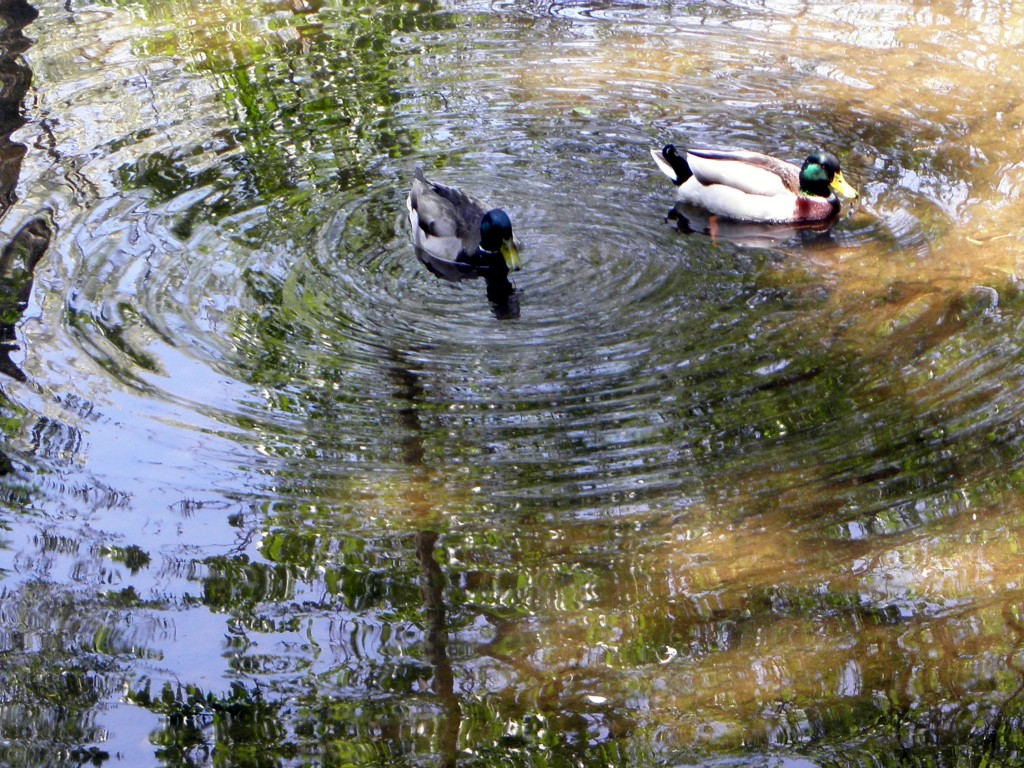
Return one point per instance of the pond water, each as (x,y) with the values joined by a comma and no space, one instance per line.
(274,494)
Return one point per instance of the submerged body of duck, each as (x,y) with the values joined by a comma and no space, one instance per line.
(750,186)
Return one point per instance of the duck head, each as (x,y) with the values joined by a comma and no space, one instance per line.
(496,237)
(821,176)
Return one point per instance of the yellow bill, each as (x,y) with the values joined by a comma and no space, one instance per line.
(842,188)
(511,255)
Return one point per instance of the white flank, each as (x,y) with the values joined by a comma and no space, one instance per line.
(744,177)
(733,203)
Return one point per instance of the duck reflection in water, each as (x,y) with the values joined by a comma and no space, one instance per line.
(501,293)
(458,238)
(690,219)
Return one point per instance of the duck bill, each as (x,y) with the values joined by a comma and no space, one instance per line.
(842,188)
(510,253)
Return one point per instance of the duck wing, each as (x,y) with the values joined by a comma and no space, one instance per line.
(749,172)
(445,220)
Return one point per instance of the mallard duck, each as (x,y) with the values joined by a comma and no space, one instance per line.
(749,186)
(456,229)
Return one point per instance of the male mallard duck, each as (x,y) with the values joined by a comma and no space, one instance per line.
(749,186)
(453,228)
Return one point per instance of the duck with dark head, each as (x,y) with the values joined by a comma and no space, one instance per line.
(749,186)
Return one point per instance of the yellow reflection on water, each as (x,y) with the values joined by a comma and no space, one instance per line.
(759,627)
(947,79)
(775,618)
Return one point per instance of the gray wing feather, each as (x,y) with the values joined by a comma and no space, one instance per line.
(445,221)
(787,173)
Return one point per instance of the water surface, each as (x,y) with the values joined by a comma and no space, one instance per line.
(276,495)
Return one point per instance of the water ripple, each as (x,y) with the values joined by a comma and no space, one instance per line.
(262,274)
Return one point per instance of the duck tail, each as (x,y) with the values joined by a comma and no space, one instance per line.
(672,164)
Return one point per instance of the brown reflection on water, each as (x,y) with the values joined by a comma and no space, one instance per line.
(949,83)
(763,628)
(915,620)
(934,91)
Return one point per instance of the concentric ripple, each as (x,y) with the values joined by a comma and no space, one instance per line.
(262,273)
